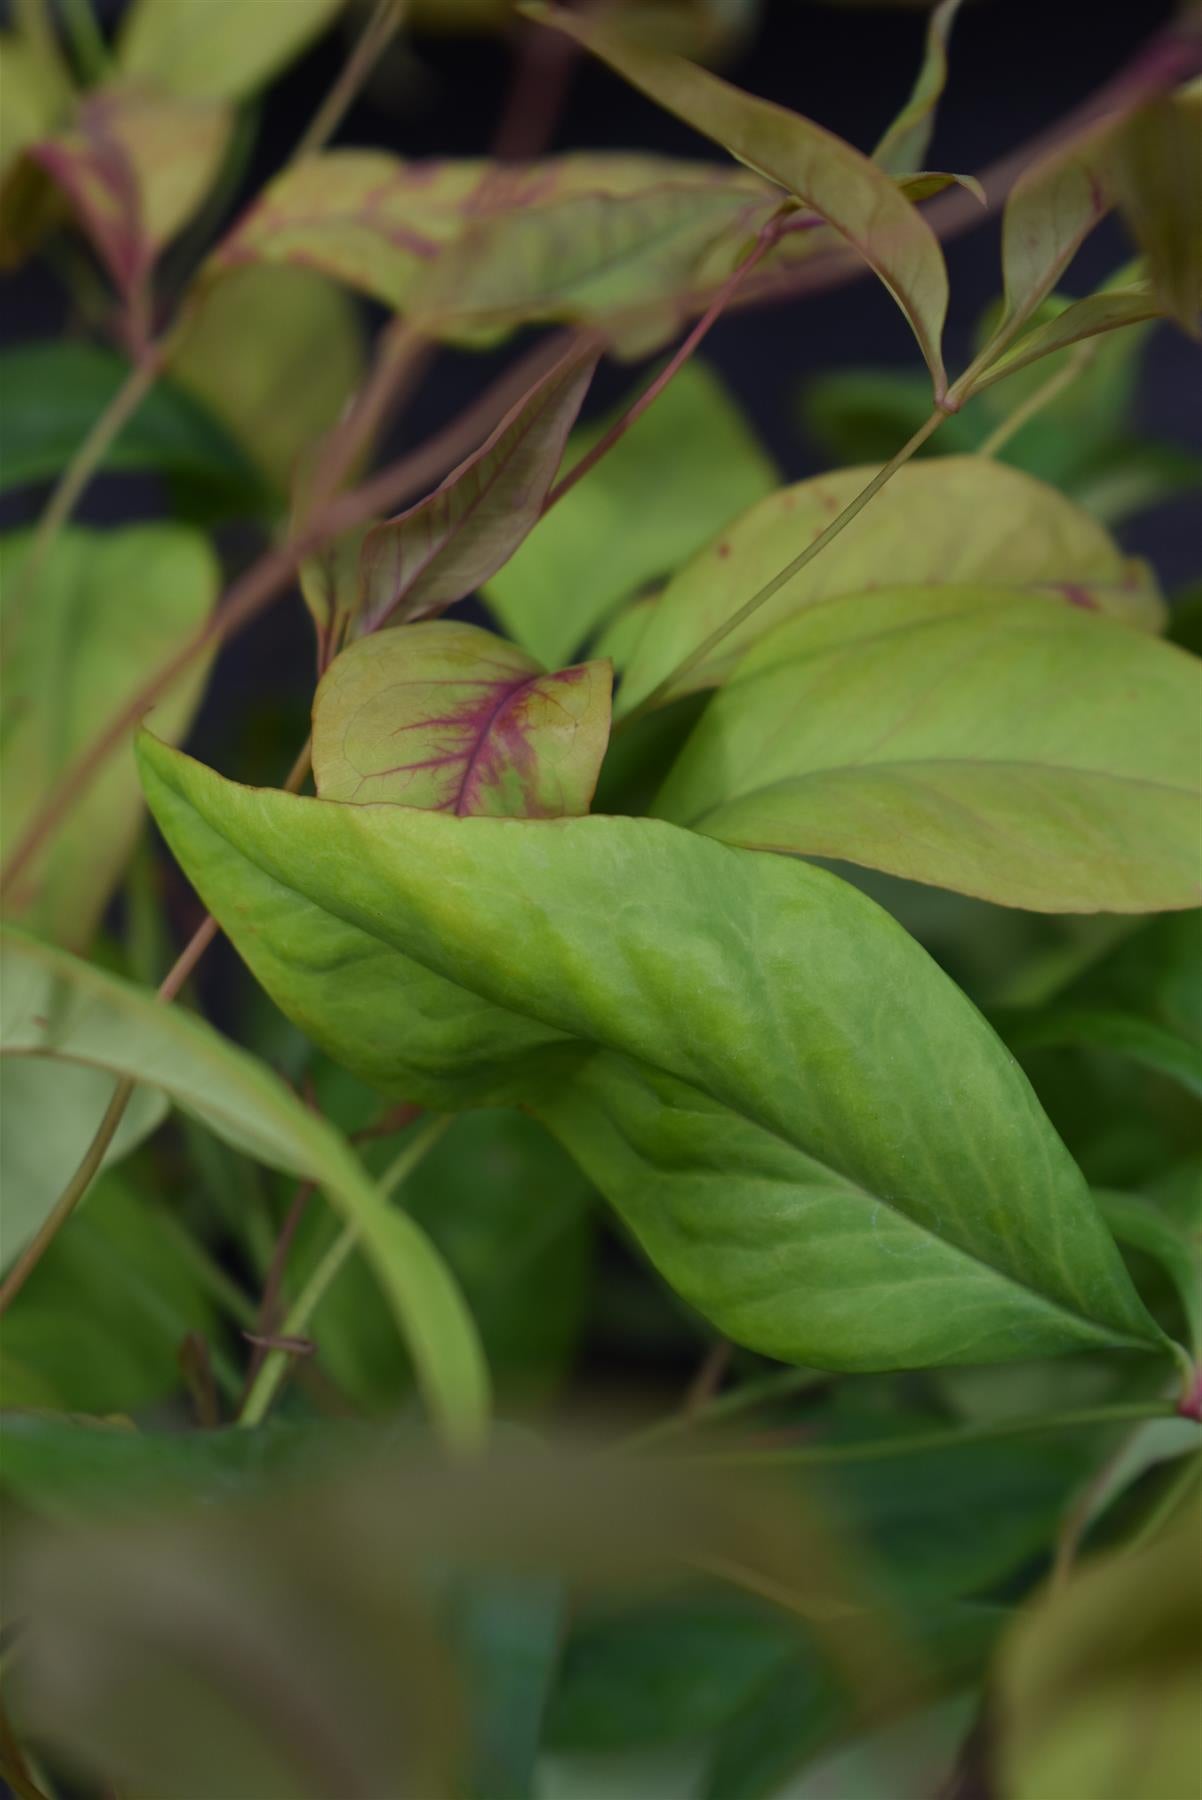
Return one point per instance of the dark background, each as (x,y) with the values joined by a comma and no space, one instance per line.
(1017,66)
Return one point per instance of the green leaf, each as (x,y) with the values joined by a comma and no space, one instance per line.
(134,167)
(1009,747)
(1141,1226)
(683,470)
(448,717)
(840,184)
(512,1216)
(55,391)
(904,145)
(1157,175)
(223,50)
(51,1115)
(1096,1687)
(274,354)
(103,1315)
(1143,1000)
(109,608)
(640,988)
(56,1006)
(950,520)
(447,545)
(1114,309)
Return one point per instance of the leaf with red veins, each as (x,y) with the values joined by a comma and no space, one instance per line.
(448,718)
(453,541)
(133,168)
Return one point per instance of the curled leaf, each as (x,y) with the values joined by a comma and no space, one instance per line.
(904,145)
(447,717)
(840,184)
(448,544)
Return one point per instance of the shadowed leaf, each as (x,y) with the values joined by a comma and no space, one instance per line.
(109,608)
(58,1007)
(1157,175)
(1002,745)
(217,49)
(448,544)
(610,974)
(841,185)
(452,719)
(949,520)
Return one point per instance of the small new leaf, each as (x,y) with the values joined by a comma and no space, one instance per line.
(903,148)
(449,718)
(448,544)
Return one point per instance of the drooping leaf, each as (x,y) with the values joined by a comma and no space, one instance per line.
(956,520)
(50,1117)
(57,1007)
(1143,1000)
(134,167)
(450,543)
(685,468)
(218,50)
(610,973)
(448,717)
(512,1216)
(55,391)
(1157,174)
(904,145)
(274,354)
(1096,1687)
(996,743)
(103,1315)
(847,190)
(108,607)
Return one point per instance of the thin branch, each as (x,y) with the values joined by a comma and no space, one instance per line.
(765,1391)
(1047,391)
(297,1320)
(771,588)
(537,94)
(381,27)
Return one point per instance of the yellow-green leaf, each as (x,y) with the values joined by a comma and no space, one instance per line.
(1009,747)
(450,718)
(1157,175)
(217,49)
(836,181)
(958,519)
(107,609)
(904,146)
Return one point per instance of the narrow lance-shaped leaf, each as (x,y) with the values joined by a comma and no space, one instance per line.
(817,1139)
(838,182)
(959,519)
(58,1007)
(1112,310)
(1157,175)
(134,168)
(448,544)
(904,146)
(975,738)
(450,718)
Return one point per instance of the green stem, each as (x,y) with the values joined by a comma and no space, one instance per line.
(771,588)
(1176,1492)
(1043,395)
(380,27)
(267,1382)
(232,1299)
(768,1388)
(910,1444)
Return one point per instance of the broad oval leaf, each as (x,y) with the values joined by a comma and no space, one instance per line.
(109,608)
(449,543)
(219,49)
(55,1006)
(134,167)
(815,1137)
(274,354)
(958,519)
(683,470)
(452,719)
(859,200)
(1011,748)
